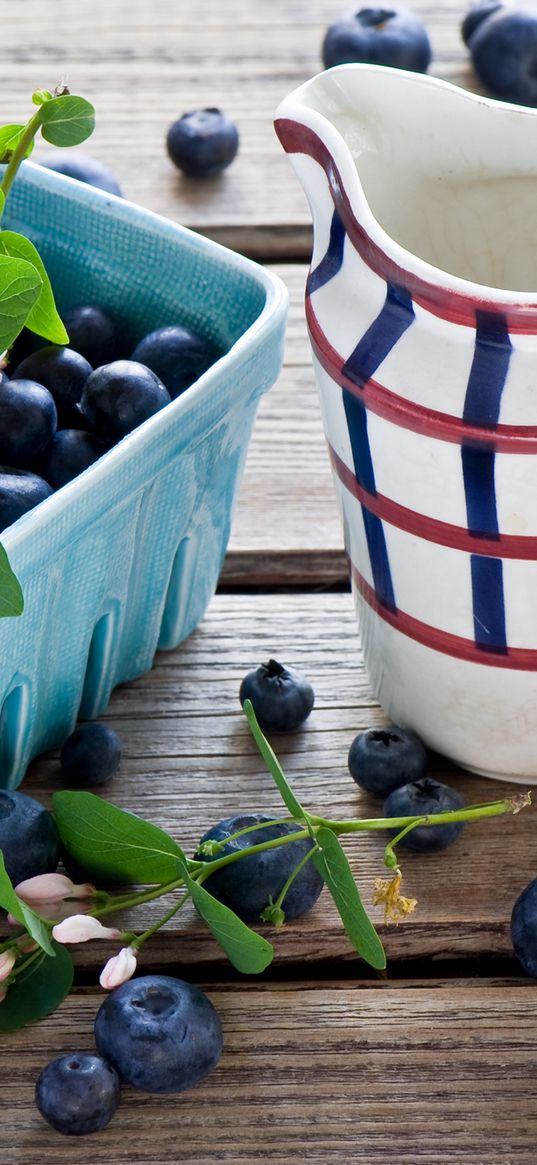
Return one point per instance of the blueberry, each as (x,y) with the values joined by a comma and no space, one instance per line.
(64,372)
(249,884)
(177,356)
(90,755)
(524,928)
(76,164)
(202,143)
(381,759)
(93,333)
(78,1093)
(20,491)
(476,15)
(28,421)
(504,54)
(29,838)
(119,396)
(70,452)
(420,797)
(282,699)
(381,36)
(160,1033)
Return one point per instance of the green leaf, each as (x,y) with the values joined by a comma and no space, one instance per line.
(20,285)
(41,95)
(273,764)
(10,136)
(11,596)
(43,317)
(331,862)
(21,911)
(112,844)
(67,120)
(248,951)
(38,990)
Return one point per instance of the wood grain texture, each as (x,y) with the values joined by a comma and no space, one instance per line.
(143,65)
(189,761)
(311,1073)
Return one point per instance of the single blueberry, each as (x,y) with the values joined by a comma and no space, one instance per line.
(29,838)
(381,759)
(117,397)
(90,755)
(93,333)
(77,1093)
(177,356)
(202,143)
(28,420)
(20,491)
(524,928)
(282,698)
(380,36)
(504,55)
(418,799)
(251,883)
(476,15)
(160,1033)
(76,164)
(70,452)
(23,346)
(63,372)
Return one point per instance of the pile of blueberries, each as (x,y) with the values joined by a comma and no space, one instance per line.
(61,408)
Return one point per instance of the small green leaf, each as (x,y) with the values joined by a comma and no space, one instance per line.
(38,990)
(41,95)
(11,596)
(332,863)
(273,764)
(43,317)
(21,911)
(113,844)
(10,136)
(248,951)
(20,285)
(67,120)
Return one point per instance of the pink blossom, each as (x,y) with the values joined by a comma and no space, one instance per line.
(79,928)
(51,888)
(118,969)
(7,962)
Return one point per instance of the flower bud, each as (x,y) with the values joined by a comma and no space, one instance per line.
(118,969)
(79,928)
(51,888)
(7,962)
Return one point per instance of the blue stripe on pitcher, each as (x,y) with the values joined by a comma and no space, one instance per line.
(482,407)
(331,261)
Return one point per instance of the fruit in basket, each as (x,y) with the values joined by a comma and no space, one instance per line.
(78,1093)
(160,1033)
(70,452)
(177,355)
(20,491)
(504,54)
(93,333)
(421,798)
(383,758)
(202,143)
(90,756)
(282,698)
(252,883)
(63,372)
(29,838)
(28,420)
(389,35)
(117,397)
(476,15)
(524,928)
(83,167)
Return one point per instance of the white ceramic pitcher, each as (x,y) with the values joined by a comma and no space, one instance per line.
(422,310)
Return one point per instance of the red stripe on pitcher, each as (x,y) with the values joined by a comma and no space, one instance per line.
(454,306)
(418,418)
(514,658)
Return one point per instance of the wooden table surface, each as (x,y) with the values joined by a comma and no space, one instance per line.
(435,1061)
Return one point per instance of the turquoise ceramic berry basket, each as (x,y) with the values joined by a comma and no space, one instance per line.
(125,558)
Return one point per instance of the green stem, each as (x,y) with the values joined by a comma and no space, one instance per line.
(136,899)
(389,851)
(141,938)
(31,128)
(251,829)
(471,813)
(293,875)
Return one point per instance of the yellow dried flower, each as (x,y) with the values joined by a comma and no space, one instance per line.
(387,893)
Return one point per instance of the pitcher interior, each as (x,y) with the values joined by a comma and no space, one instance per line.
(449,176)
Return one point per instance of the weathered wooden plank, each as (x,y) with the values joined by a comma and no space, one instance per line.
(142,71)
(324,1074)
(190,761)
